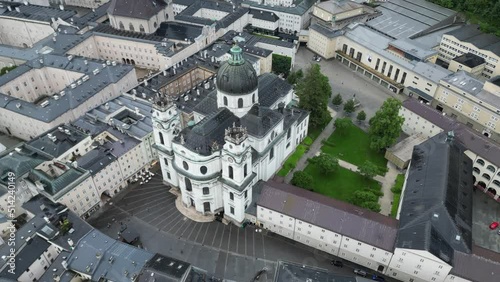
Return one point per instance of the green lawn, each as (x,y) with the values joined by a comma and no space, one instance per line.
(353,146)
(396,190)
(292,160)
(314,132)
(341,184)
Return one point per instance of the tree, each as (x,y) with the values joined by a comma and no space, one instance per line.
(5,70)
(368,169)
(385,126)
(314,90)
(337,100)
(349,106)
(342,124)
(361,116)
(281,64)
(295,76)
(302,179)
(365,199)
(326,163)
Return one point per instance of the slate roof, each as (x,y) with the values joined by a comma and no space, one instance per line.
(64,141)
(202,136)
(436,207)
(326,31)
(164,269)
(470,60)
(73,97)
(140,9)
(19,162)
(36,13)
(101,256)
(237,79)
(473,35)
(96,160)
(271,88)
(26,257)
(340,217)
(483,265)
(65,275)
(300,8)
(178,31)
(264,15)
(260,120)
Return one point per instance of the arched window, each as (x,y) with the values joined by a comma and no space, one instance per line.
(253,98)
(496,182)
(480,161)
(486,176)
(141,28)
(206,190)
(230,168)
(165,160)
(271,154)
(166,16)
(155,25)
(189,187)
(185,165)
(476,170)
(491,168)
(245,171)
(121,25)
(161,138)
(231,196)
(240,103)
(131,27)
(225,101)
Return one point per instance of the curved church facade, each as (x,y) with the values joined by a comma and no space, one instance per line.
(240,134)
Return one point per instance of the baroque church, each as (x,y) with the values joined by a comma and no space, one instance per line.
(241,133)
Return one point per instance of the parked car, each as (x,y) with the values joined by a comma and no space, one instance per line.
(493,225)
(360,272)
(378,278)
(318,59)
(337,263)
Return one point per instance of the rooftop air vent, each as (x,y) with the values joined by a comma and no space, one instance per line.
(45,103)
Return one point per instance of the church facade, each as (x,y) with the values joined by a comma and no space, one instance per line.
(241,133)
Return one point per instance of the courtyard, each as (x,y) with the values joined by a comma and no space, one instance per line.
(225,251)
(485,211)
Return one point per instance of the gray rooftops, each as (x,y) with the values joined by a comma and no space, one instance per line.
(431,71)
(97,75)
(337,7)
(264,15)
(413,48)
(300,7)
(436,208)
(470,60)
(26,257)
(404,18)
(326,31)
(34,12)
(164,269)
(340,217)
(20,163)
(482,265)
(96,160)
(473,35)
(140,9)
(465,82)
(103,257)
(57,141)
(260,120)
(178,31)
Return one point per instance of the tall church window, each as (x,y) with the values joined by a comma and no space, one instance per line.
(206,190)
(240,103)
(185,165)
(121,25)
(161,138)
(230,168)
(225,101)
(245,171)
(231,196)
(253,98)
(189,187)
(131,27)
(271,154)
(141,28)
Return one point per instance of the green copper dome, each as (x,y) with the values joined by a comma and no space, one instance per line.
(237,76)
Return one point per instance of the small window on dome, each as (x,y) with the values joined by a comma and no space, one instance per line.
(240,103)
(203,170)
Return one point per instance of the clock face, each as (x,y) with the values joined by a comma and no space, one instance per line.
(230,159)
(158,125)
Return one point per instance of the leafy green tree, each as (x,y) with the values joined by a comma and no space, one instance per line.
(361,116)
(295,76)
(5,70)
(368,169)
(281,64)
(365,199)
(302,179)
(326,163)
(342,124)
(314,90)
(337,100)
(349,106)
(385,126)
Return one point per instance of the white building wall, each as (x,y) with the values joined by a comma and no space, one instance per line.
(417,266)
(364,254)
(27,32)
(40,265)
(81,198)
(265,24)
(109,179)
(210,14)
(415,124)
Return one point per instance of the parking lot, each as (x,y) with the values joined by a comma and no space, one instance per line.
(485,211)
(225,251)
(348,82)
